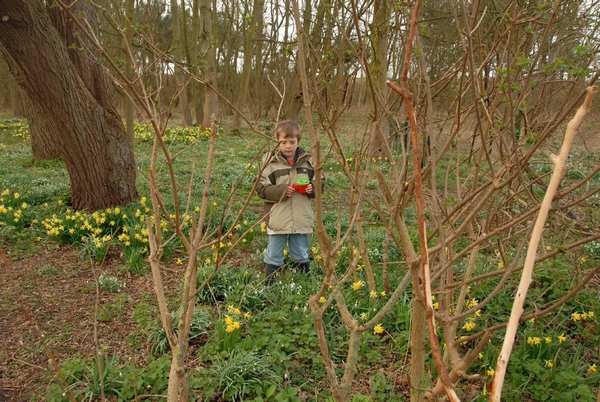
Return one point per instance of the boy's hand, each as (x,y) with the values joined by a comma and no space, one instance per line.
(290,190)
(309,188)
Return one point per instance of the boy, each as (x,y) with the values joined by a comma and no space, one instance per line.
(291,218)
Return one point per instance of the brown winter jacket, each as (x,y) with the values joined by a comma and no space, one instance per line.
(292,214)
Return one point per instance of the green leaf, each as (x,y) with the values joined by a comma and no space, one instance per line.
(525,62)
(270,391)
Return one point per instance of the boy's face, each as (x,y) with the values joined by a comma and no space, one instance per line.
(288,146)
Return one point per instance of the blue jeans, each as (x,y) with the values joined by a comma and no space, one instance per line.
(298,248)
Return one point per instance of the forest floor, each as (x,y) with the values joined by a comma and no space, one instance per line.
(589,139)
(48,312)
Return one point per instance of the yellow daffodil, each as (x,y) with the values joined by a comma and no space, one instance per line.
(469,326)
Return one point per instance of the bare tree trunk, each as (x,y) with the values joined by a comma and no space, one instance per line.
(379,67)
(296,97)
(249,44)
(196,88)
(129,105)
(180,81)
(209,72)
(17,101)
(73,109)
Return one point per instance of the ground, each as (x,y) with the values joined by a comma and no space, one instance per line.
(589,138)
(48,299)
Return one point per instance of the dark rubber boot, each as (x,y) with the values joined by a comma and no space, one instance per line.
(270,272)
(304,267)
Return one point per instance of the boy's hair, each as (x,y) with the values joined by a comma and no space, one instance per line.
(288,128)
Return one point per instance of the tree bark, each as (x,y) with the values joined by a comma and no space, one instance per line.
(129,105)
(379,69)
(249,44)
(193,55)
(180,79)
(68,97)
(209,70)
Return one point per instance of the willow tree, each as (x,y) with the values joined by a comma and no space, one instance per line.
(68,100)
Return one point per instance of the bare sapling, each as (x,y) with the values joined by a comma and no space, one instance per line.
(424,274)
(334,281)
(194,239)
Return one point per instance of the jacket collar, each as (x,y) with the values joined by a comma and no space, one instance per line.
(300,154)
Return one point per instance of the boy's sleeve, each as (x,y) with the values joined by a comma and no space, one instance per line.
(269,191)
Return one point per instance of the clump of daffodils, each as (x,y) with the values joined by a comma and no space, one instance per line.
(12,209)
(470,324)
(231,319)
(231,324)
(539,340)
(584,316)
